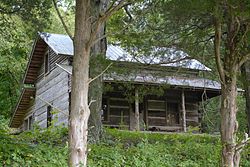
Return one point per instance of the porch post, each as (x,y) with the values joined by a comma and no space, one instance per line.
(184,124)
(137,114)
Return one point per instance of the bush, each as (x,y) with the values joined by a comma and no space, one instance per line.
(33,148)
(124,148)
(48,147)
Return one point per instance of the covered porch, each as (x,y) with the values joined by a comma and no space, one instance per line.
(173,111)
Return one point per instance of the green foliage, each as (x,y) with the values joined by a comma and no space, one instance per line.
(146,149)
(19,23)
(13,50)
(124,148)
(34,14)
(48,147)
(33,148)
(211,115)
(54,135)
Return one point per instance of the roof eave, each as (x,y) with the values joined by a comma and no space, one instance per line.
(30,56)
(18,103)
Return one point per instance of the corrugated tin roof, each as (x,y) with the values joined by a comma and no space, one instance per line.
(62,44)
(178,58)
(169,80)
(149,78)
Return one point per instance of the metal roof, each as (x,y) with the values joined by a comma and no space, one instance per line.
(169,80)
(149,78)
(62,44)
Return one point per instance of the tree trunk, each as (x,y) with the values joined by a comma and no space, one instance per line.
(78,122)
(229,124)
(95,90)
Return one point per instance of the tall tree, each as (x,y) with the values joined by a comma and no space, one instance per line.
(97,52)
(89,19)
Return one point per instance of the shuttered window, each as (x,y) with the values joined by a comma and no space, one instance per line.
(49,116)
(46,63)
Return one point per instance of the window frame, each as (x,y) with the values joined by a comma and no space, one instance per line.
(46,63)
(28,122)
(49,115)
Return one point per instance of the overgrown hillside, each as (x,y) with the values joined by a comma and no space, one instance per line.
(117,149)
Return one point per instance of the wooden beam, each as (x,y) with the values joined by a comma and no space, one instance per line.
(108,109)
(184,124)
(137,114)
(146,111)
(166,112)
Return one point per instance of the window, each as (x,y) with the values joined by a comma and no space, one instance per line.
(28,123)
(49,116)
(46,63)
(69,102)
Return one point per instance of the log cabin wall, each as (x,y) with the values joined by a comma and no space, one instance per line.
(163,113)
(53,88)
(28,117)
(156,113)
(116,111)
(53,59)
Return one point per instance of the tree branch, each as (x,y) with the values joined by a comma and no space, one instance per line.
(241,145)
(217,44)
(112,9)
(62,21)
(91,80)
(91,101)
(52,105)
(244,59)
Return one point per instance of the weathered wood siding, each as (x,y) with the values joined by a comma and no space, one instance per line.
(28,113)
(52,88)
(53,59)
(192,114)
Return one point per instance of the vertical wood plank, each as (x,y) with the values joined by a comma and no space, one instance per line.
(183,111)
(146,112)
(137,114)
(166,110)
(108,109)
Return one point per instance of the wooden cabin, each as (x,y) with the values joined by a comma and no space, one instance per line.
(47,87)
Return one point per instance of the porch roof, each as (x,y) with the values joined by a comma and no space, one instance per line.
(21,107)
(185,82)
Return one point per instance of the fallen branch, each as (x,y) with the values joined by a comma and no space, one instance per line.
(91,80)
(52,106)
(242,144)
(91,101)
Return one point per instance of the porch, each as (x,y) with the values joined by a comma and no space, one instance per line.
(173,111)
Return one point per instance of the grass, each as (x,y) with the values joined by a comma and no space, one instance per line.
(117,149)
